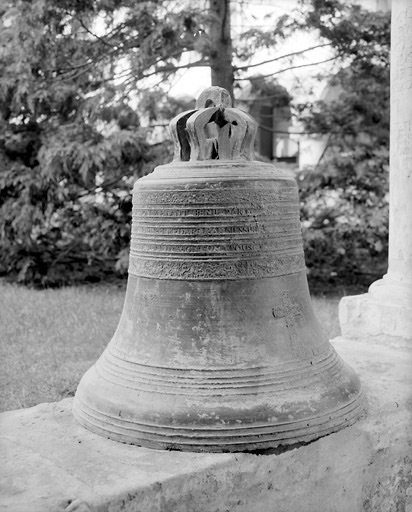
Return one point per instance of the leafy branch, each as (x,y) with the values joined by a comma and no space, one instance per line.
(292,54)
(289,68)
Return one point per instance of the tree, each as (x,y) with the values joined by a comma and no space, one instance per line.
(345,199)
(70,143)
(221,60)
(82,84)
(78,79)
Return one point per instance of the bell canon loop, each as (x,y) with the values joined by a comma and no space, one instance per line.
(218,348)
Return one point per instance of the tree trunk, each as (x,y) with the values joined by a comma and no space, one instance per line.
(221,45)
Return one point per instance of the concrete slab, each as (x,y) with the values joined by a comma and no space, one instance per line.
(49,463)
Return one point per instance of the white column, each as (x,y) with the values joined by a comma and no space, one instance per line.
(386,310)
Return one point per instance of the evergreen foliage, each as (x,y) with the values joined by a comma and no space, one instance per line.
(71,144)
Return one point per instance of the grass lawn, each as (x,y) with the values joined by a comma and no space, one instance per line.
(49,338)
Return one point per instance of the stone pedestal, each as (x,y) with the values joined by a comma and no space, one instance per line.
(386,310)
(49,463)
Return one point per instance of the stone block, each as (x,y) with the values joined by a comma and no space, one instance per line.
(50,463)
(380,320)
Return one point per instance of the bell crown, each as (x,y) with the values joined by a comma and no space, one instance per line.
(214,130)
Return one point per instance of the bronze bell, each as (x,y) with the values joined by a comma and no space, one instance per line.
(218,348)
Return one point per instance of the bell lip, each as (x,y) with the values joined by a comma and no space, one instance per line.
(217,440)
(94,411)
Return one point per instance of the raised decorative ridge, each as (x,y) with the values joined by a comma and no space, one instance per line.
(214,438)
(220,433)
(225,196)
(120,371)
(210,269)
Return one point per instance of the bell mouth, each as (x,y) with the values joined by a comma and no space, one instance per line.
(216,427)
(264,376)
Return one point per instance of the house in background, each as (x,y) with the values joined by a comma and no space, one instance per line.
(278,138)
(312,146)
(269,104)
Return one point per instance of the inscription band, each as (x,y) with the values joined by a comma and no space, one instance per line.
(189,269)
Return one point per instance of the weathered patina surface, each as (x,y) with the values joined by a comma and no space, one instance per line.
(218,348)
